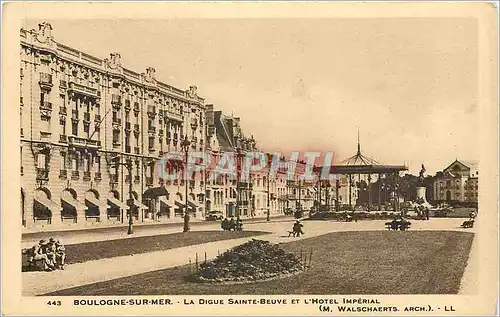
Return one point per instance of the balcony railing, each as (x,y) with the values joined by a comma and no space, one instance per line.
(136,107)
(127,105)
(152,129)
(127,126)
(42,174)
(169,135)
(63,110)
(160,132)
(45,80)
(136,150)
(175,116)
(86,176)
(117,121)
(137,179)
(63,84)
(84,90)
(46,105)
(83,142)
(75,174)
(98,176)
(97,118)
(63,138)
(127,148)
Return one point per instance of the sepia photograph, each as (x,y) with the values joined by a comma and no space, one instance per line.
(237,162)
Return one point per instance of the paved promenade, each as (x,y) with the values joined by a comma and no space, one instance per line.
(38,283)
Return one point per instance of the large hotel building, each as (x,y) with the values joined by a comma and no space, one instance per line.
(79,114)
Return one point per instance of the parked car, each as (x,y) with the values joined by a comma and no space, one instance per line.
(214,216)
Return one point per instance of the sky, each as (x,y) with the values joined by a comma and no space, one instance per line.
(408,84)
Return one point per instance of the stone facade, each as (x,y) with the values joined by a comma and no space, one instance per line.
(458,182)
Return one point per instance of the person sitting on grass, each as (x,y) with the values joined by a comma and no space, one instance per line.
(60,254)
(39,254)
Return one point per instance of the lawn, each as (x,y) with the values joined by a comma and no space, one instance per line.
(370,262)
(83,252)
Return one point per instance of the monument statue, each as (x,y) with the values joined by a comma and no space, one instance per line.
(421,177)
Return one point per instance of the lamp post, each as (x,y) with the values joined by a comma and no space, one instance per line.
(185,148)
(130,202)
(238,187)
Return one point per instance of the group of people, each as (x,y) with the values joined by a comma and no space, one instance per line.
(398,223)
(422,212)
(231,224)
(51,254)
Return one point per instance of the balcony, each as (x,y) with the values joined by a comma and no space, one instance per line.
(86,176)
(84,90)
(45,80)
(117,123)
(98,176)
(82,142)
(75,175)
(127,148)
(46,105)
(128,178)
(169,135)
(63,138)
(137,179)
(243,185)
(149,181)
(151,148)
(175,116)
(63,84)
(136,107)
(113,179)
(97,118)
(42,174)
(116,99)
(86,117)
(160,132)
(136,150)
(136,128)
(127,105)
(63,110)
(151,129)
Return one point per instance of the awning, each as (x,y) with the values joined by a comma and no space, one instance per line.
(75,203)
(164,201)
(48,203)
(192,204)
(179,204)
(95,202)
(117,203)
(139,204)
(155,192)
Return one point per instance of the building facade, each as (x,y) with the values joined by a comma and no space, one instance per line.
(459,182)
(78,112)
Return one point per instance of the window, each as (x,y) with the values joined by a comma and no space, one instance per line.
(115,116)
(448,183)
(63,127)
(63,160)
(98,164)
(127,140)
(74,128)
(87,162)
(116,136)
(151,142)
(74,162)
(86,129)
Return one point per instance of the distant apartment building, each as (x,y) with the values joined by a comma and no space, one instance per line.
(459,182)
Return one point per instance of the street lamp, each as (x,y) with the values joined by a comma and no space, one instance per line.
(116,161)
(185,148)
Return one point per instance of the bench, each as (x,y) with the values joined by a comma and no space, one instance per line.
(29,263)
(398,225)
(467,224)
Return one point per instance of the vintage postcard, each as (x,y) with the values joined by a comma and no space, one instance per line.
(253,158)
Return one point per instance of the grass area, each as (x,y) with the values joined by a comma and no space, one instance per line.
(77,253)
(370,262)
(459,212)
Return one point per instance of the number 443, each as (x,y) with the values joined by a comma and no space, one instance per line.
(54,303)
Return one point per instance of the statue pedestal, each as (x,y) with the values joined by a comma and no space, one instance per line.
(421,197)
